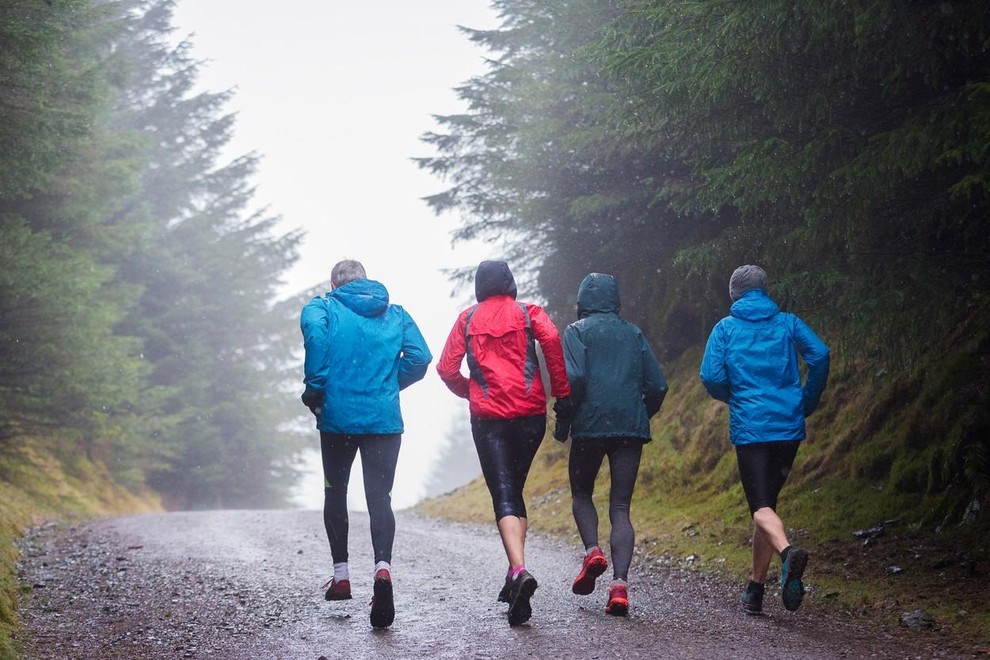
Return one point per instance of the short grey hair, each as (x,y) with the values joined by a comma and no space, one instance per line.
(346,271)
(746,278)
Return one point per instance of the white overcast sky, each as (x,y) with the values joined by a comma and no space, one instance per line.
(334,96)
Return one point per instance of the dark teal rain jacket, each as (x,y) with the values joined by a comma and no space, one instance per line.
(360,351)
(616,380)
(751,362)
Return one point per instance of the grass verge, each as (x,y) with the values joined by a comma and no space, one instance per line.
(36,486)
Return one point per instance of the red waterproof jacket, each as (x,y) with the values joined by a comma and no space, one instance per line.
(497,338)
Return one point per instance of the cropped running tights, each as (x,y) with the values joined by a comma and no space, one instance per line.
(763,467)
(379,454)
(583,465)
(506,448)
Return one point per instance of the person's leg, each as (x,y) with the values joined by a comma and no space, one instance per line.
(379,455)
(506,449)
(764,468)
(623,458)
(338,452)
(582,467)
(583,464)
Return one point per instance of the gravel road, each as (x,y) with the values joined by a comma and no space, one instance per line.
(246,584)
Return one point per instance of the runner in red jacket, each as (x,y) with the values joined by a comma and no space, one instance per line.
(508,405)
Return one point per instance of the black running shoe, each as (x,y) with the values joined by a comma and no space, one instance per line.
(523,586)
(752,600)
(503,596)
(382,605)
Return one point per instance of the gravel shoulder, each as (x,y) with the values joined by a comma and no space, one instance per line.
(246,584)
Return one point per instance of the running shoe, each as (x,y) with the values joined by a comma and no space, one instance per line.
(382,605)
(792,589)
(752,600)
(594,564)
(337,589)
(618,600)
(523,586)
(503,596)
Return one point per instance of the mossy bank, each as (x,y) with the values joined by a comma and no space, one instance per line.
(35,486)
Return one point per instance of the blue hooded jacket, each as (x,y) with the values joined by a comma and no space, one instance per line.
(360,351)
(617,384)
(751,362)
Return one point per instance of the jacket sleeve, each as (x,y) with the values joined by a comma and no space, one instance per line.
(553,353)
(314,323)
(654,382)
(816,355)
(449,365)
(714,375)
(416,355)
(575,361)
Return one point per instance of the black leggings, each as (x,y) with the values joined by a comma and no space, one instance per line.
(379,454)
(506,448)
(623,461)
(764,467)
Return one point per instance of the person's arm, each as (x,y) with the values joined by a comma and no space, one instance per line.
(449,365)
(575,363)
(714,375)
(654,382)
(816,355)
(313,321)
(553,353)
(416,354)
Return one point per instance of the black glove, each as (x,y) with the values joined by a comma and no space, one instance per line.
(564,410)
(313,399)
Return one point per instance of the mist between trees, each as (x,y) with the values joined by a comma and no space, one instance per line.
(843,146)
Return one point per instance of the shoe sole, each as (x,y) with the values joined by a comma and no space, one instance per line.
(617,607)
(792,591)
(750,609)
(330,596)
(382,606)
(584,583)
(519,608)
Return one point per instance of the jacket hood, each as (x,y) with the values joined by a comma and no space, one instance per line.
(597,294)
(493,278)
(365,297)
(754,305)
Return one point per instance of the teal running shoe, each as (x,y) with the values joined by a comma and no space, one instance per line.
(791,587)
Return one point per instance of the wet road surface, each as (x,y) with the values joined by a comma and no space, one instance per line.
(246,584)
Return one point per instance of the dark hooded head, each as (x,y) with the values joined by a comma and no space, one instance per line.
(493,278)
(746,278)
(597,294)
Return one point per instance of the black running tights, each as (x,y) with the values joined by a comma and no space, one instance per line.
(379,454)
(506,448)
(623,460)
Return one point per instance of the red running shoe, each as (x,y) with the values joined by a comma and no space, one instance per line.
(594,565)
(382,605)
(618,600)
(338,589)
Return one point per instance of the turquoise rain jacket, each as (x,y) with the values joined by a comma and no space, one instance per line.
(616,380)
(751,362)
(360,351)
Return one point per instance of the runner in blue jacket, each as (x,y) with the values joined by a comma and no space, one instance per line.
(751,363)
(360,352)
